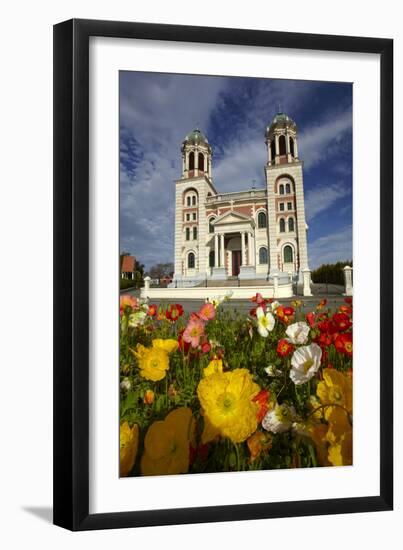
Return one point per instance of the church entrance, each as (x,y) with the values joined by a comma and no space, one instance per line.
(236,262)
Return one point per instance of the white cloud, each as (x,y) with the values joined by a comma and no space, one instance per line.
(321,198)
(320,141)
(337,246)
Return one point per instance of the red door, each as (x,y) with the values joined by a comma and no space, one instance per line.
(236,262)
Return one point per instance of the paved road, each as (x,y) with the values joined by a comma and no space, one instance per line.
(309,303)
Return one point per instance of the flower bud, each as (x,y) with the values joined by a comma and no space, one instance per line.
(149,397)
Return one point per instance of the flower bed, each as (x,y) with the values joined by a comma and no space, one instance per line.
(217,391)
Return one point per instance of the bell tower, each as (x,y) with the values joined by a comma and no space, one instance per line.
(196,155)
(285,197)
(281,140)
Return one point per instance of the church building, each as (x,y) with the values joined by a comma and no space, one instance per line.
(249,234)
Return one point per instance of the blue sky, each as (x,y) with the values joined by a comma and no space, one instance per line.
(158,110)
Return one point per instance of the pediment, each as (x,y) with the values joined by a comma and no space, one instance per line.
(231,217)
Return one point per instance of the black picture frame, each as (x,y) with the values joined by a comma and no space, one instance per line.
(71,273)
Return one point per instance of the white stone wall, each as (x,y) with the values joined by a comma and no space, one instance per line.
(298,236)
(198,246)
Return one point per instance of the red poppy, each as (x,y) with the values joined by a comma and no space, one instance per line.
(310,317)
(252,312)
(258,299)
(284,347)
(152,310)
(206,347)
(344,343)
(284,313)
(345,309)
(324,339)
(321,304)
(173,312)
(348,300)
(342,321)
(262,399)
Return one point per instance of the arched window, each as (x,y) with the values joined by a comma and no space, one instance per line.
(273,150)
(191,160)
(261,220)
(290,224)
(191,260)
(292,147)
(194,200)
(188,234)
(263,255)
(211,258)
(210,225)
(281,189)
(288,188)
(281,143)
(282,225)
(287,252)
(201,162)
(194,233)
(189,201)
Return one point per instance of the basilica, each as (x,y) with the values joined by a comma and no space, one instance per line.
(249,234)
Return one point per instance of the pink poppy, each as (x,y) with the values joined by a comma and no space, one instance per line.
(207,312)
(193,332)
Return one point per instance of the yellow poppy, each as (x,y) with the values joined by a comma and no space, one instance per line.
(154,361)
(341,453)
(167,442)
(168,344)
(227,402)
(214,366)
(129,440)
(336,388)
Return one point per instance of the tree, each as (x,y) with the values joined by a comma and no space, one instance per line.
(160,270)
(330,273)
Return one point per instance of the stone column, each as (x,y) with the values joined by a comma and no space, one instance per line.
(243,255)
(269,152)
(216,250)
(348,281)
(252,247)
(277,149)
(222,258)
(295,147)
(287,147)
(306,273)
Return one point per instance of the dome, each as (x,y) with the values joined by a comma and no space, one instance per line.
(281,120)
(196,137)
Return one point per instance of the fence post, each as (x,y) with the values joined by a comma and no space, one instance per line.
(306,274)
(275,285)
(348,281)
(147,283)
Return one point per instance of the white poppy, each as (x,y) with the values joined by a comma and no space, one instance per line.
(265,322)
(279,419)
(305,363)
(271,370)
(137,318)
(125,384)
(298,333)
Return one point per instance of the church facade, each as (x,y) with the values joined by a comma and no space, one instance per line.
(249,234)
